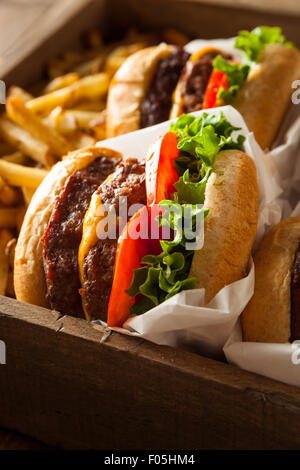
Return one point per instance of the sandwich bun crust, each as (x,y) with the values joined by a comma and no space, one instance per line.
(128,88)
(266,94)
(231,196)
(267,317)
(29,278)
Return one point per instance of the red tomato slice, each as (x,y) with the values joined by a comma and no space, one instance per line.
(130,251)
(218,79)
(160,171)
(160,178)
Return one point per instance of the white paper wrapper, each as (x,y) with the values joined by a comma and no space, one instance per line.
(277,361)
(184,321)
(285,156)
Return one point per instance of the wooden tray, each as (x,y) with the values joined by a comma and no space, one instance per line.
(70,385)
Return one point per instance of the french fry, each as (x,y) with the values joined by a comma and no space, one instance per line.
(20,175)
(17,91)
(27,194)
(116,58)
(24,117)
(71,120)
(5,236)
(16,157)
(62,123)
(82,118)
(24,141)
(10,251)
(8,196)
(82,55)
(8,217)
(80,140)
(114,64)
(91,66)
(70,60)
(98,126)
(93,87)
(90,106)
(61,82)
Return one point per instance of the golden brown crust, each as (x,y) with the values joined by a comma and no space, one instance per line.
(128,88)
(231,196)
(266,95)
(267,316)
(29,280)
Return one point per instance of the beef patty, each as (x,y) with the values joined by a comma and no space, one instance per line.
(194,81)
(155,107)
(63,235)
(98,267)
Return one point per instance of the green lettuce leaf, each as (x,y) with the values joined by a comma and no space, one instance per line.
(237,75)
(252,43)
(190,192)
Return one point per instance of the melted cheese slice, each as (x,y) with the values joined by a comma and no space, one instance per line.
(90,236)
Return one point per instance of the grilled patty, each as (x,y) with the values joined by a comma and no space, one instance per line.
(128,181)
(155,107)
(195,78)
(63,235)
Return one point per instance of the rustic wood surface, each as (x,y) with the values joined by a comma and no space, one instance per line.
(37,30)
(60,383)
(15,441)
(27,27)
(63,384)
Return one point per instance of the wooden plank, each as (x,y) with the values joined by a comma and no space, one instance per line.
(202,18)
(58,25)
(267,6)
(41,30)
(62,385)
(15,441)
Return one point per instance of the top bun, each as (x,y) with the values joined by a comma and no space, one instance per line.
(231,195)
(128,88)
(266,94)
(29,278)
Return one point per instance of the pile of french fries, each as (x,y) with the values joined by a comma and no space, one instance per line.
(68,113)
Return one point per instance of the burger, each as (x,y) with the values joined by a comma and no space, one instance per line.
(46,270)
(162,82)
(273,313)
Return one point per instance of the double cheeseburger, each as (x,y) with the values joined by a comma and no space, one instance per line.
(65,260)
(162,82)
(273,313)
(46,271)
